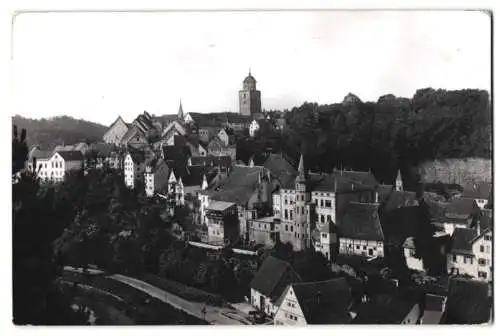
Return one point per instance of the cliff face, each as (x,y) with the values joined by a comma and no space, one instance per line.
(459,171)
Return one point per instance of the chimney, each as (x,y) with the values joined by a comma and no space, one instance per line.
(376,196)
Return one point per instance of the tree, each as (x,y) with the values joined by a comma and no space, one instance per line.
(37,298)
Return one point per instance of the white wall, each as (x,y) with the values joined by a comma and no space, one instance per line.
(486,255)
(129,171)
(269,308)
(289,313)
(464,267)
(413,262)
(360,247)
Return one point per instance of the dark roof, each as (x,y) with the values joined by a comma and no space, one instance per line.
(132,131)
(138,156)
(486,220)
(397,199)
(361,221)
(384,309)
(161,173)
(365,178)
(103,149)
(462,239)
(434,302)
(239,186)
(41,154)
(273,276)
(71,155)
(220,161)
(324,302)
(194,175)
(167,118)
(468,302)
(179,154)
(280,169)
(481,190)
(460,207)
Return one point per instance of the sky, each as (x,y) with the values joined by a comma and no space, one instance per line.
(97,66)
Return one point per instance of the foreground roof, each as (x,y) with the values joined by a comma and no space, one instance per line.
(273,276)
(324,302)
(384,309)
(469,302)
(462,240)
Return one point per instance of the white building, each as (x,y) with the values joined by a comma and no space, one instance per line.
(53,168)
(223,136)
(155,177)
(268,284)
(412,261)
(322,302)
(253,128)
(471,250)
(134,166)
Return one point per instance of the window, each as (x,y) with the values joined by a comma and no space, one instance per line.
(302,210)
(291,215)
(286,200)
(286,214)
(322,218)
(481,248)
(328,218)
(321,203)
(316,201)
(286,227)
(302,197)
(487,237)
(370,252)
(291,228)
(483,275)
(364,248)
(357,247)
(482,262)
(328,203)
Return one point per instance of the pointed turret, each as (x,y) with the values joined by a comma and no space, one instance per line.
(204,184)
(301,172)
(180,182)
(250,163)
(172,178)
(399,182)
(180,114)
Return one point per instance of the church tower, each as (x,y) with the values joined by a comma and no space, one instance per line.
(301,210)
(180,113)
(250,98)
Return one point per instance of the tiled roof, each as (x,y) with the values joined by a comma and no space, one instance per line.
(194,175)
(461,240)
(219,205)
(365,178)
(460,207)
(324,302)
(132,131)
(468,302)
(397,199)
(60,148)
(42,154)
(361,221)
(71,155)
(220,161)
(239,186)
(179,154)
(167,118)
(138,156)
(103,149)
(481,190)
(384,309)
(280,169)
(273,276)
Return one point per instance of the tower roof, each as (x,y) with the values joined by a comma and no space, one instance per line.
(180,114)
(249,78)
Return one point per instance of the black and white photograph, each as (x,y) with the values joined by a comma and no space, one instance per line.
(252,167)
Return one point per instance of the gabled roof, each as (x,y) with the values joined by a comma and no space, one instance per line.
(468,302)
(481,190)
(361,221)
(384,309)
(119,119)
(103,149)
(365,178)
(239,186)
(132,131)
(396,199)
(61,148)
(461,241)
(219,205)
(71,155)
(280,169)
(167,118)
(461,207)
(324,302)
(273,276)
(220,161)
(137,156)
(193,175)
(41,154)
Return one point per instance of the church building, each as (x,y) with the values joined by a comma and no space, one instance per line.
(250,104)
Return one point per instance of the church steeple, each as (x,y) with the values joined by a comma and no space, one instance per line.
(180,114)
(399,182)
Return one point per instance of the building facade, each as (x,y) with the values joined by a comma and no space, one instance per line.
(250,104)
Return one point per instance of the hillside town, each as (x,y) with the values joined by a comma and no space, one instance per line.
(274,201)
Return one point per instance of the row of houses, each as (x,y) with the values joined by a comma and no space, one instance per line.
(279,292)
